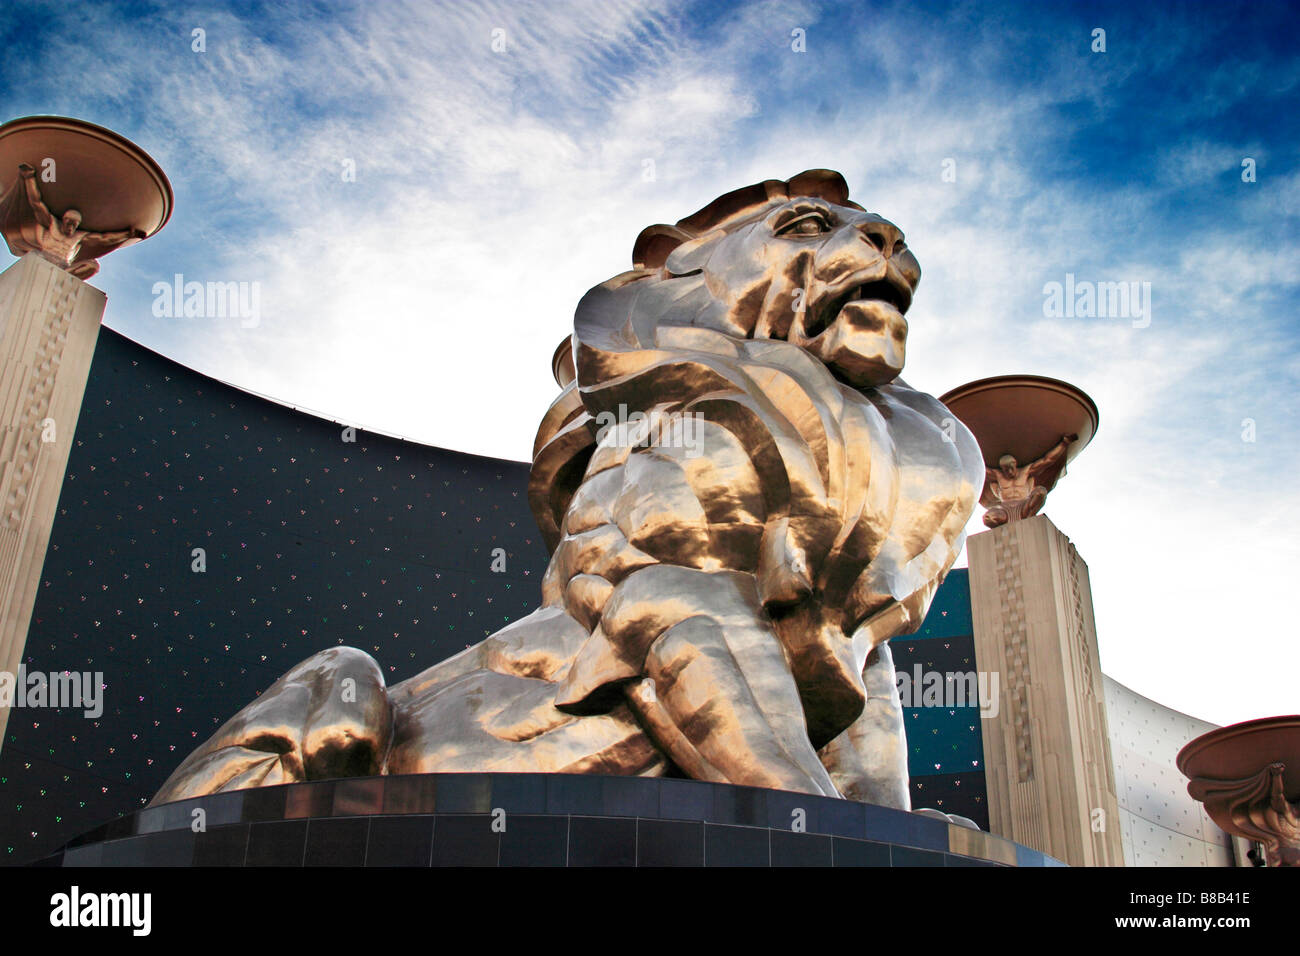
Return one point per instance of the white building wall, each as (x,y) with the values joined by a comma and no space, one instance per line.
(1160,823)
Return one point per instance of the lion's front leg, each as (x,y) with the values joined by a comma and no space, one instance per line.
(728,691)
(327,717)
(868,761)
(704,669)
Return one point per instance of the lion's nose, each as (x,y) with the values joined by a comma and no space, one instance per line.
(882,234)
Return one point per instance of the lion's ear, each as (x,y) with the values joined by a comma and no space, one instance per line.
(654,245)
(691,256)
(823,183)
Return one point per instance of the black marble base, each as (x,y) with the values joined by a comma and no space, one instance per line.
(497,819)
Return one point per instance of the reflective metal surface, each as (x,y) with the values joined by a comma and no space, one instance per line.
(1248,777)
(743,502)
(422,820)
(1013,491)
(72,191)
(1029,428)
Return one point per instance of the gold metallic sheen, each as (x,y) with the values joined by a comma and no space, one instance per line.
(58,175)
(1029,428)
(1248,777)
(743,503)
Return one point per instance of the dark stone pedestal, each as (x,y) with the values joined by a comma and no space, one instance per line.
(502,819)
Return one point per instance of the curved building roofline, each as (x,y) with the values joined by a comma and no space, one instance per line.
(1156,703)
(302,409)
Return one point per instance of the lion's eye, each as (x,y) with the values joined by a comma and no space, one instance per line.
(812,224)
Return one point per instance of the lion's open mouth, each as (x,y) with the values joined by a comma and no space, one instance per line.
(887,290)
(897,296)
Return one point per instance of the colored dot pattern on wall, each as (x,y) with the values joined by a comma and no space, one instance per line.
(307,541)
(945,746)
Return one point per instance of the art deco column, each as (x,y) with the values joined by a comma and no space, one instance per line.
(69,193)
(1047,762)
(49,321)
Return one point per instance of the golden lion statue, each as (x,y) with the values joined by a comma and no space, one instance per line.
(743,504)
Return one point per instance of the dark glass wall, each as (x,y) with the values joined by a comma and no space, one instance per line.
(309,541)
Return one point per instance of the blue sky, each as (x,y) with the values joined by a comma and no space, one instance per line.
(493,188)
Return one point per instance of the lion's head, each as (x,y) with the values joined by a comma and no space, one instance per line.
(796,261)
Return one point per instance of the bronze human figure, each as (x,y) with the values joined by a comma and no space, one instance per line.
(32,227)
(1013,491)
